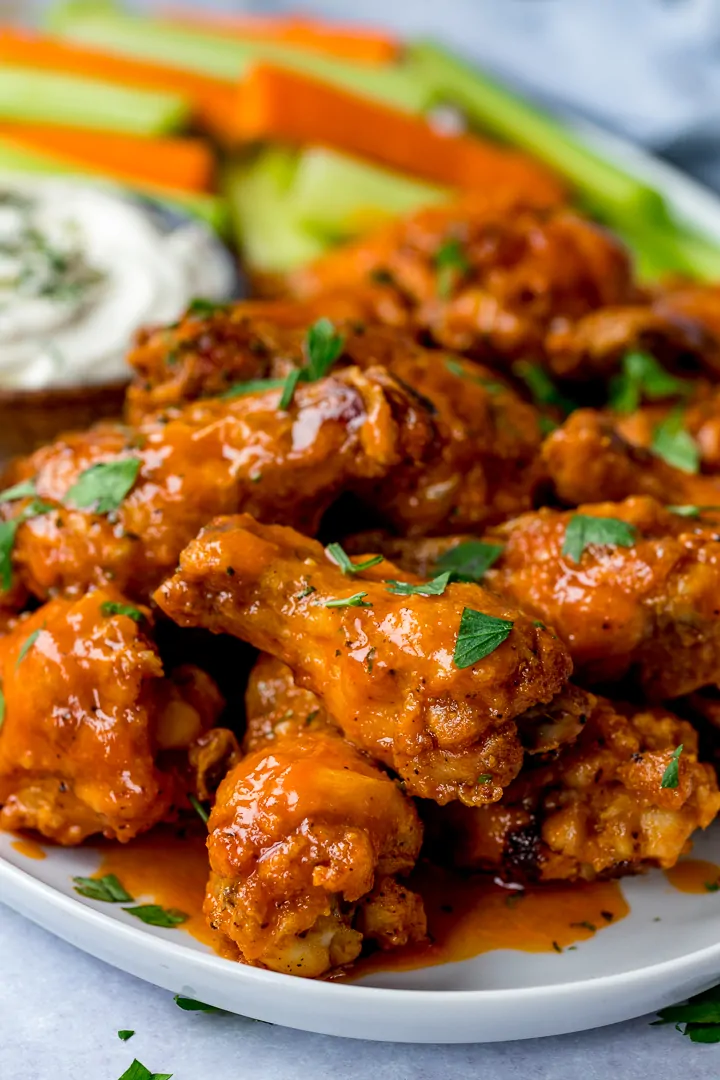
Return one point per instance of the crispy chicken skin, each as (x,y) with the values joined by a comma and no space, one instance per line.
(518,274)
(484,464)
(649,611)
(385,672)
(588,460)
(94,737)
(307,838)
(216,456)
(212,348)
(596,810)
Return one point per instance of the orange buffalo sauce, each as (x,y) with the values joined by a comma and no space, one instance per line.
(466,915)
(472,915)
(29,848)
(168,868)
(694,876)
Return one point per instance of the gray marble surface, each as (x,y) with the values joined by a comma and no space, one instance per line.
(646,66)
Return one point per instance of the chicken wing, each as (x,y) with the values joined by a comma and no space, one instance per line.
(484,464)
(307,839)
(644,608)
(216,456)
(481,279)
(383,663)
(95,738)
(598,809)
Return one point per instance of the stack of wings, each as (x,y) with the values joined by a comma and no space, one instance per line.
(452,501)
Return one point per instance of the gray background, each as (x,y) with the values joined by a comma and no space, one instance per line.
(650,68)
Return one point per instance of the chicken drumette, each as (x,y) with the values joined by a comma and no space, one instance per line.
(95,738)
(307,838)
(382,662)
(598,809)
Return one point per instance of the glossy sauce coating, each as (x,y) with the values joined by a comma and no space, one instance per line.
(385,672)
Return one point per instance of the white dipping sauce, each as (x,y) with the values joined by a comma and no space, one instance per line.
(81,269)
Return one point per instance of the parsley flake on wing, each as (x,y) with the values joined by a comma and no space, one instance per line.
(675,445)
(642,378)
(8,532)
(583,530)
(542,389)
(253,386)
(436,587)
(671,776)
(358,600)
(27,646)
(112,607)
(343,560)
(478,636)
(469,560)
(451,263)
(103,487)
(323,345)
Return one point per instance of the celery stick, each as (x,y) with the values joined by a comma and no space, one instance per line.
(672,250)
(605,188)
(342,196)
(16,161)
(213,54)
(47,97)
(262,215)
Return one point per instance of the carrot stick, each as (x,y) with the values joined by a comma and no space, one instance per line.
(345,41)
(182,164)
(278,104)
(209,98)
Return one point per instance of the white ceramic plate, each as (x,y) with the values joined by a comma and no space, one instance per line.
(632,967)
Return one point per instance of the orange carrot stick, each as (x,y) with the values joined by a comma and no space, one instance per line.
(275,103)
(210,98)
(345,41)
(181,164)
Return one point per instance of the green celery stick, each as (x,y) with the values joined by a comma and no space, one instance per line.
(342,196)
(214,54)
(605,188)
(16,162)
(261,211)
(47,97)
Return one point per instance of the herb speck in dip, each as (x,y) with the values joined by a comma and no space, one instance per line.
(81,269)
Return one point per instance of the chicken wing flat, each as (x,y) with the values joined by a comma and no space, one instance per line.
(598,809)
(486,280)
(216,456)
(382,663)
(639,602)
(95,738)
(307,839)
(588,460)
(484,464)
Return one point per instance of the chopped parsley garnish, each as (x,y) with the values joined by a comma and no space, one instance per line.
(322,347)
(198,808)
(138,1071)
(478,636)
(450,262)
(585,925)
(24,490)
(27,645)
(469,561)
(675,445)
(112,607)
(712,886)
(582,531)
(700,1015)
(542,389)
(2,706)
(456,368)
(539,625)
(556,947)
(436,587)
(8,532)
(671,776)
(485,778)
(103,487)
(107,889)
(253,386)
(154,915)
(190,1005)
(307,591)
(358,600)
(200,308)
(342,559)
(642,378)
(125,1034)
